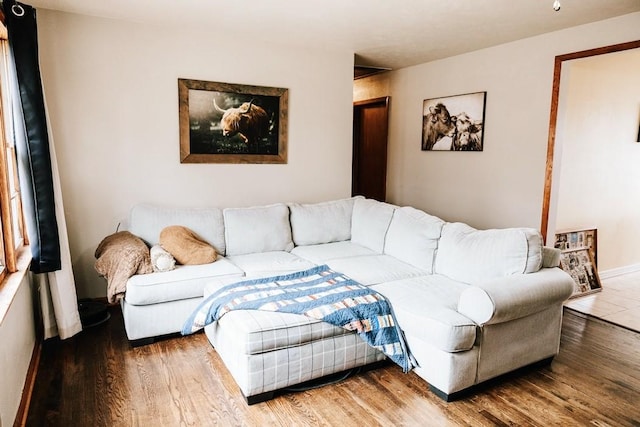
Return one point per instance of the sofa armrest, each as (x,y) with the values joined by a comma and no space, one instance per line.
(516,296)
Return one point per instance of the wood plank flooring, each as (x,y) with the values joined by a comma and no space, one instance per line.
(96,379)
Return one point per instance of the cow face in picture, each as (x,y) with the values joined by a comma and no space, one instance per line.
(435,125)
(468,133)
(249,121)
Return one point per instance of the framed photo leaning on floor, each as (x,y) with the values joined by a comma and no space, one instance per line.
(580,265)
(577,239)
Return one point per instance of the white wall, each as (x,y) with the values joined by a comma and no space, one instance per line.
(599,176)
(112,94)
(503,185)
(17,338)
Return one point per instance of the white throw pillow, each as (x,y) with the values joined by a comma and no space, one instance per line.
(161,260)
(257,229)
(413,237)
(325,222)
(471,255)
(370,222)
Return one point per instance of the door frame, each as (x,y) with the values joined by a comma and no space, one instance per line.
(384,100)
(553,119)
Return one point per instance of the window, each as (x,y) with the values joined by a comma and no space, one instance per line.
(12,231)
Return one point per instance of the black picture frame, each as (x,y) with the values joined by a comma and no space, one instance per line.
(454,123)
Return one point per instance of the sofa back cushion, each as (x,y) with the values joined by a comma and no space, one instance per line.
(147,221)
(471,255)
(257,229)
(413,237)
(326,222)
(370,222)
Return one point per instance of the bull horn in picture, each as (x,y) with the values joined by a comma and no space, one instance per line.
(218,108)
(248,108)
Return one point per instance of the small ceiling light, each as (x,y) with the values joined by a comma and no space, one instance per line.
(556,5)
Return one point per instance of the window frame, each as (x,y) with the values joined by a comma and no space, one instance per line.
(12,226)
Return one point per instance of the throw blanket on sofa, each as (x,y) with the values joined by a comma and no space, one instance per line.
(319,293)
(120,256)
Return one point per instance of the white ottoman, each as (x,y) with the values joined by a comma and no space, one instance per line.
(270,351)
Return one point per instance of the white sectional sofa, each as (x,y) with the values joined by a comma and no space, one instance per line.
(473,304)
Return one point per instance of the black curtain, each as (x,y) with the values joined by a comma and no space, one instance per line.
(32,139)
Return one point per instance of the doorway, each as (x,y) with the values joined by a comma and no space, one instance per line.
(590,175)
(370,131)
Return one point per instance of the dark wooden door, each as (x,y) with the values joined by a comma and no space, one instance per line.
(370,129)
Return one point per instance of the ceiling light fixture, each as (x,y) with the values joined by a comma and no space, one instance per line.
(556,5)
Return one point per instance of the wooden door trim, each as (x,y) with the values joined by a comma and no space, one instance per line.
(380,100)
(355,166)
(553,119)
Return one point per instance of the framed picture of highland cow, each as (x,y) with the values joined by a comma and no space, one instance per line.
(231,123)
(454,123)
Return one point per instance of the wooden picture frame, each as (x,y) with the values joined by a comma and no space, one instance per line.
(454,123)
(232,123)
(580,265)
(577,239)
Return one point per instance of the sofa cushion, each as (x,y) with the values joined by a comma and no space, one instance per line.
(147,221)
(373,269)
(273,263)
(263,331)
(185,281)
(413,237)
(320,254)
(325,222)
(260,331)
(370,222)
(425,308)
(257,229)
(471,255)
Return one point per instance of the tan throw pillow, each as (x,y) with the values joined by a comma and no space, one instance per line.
(185,246)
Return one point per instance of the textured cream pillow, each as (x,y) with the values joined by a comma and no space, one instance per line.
(161,260)
(185,246)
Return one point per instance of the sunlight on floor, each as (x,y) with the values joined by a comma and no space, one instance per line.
(618,302)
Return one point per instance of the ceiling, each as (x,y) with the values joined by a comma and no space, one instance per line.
(382,33)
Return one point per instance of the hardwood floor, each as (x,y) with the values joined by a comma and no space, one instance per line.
(97,379)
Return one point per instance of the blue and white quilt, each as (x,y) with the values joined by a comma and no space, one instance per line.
(319,293)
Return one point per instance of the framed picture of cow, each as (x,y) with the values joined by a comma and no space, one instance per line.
(232,123)
(454,123)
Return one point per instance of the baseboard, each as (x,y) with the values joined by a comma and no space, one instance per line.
(29,384)
(607,274)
